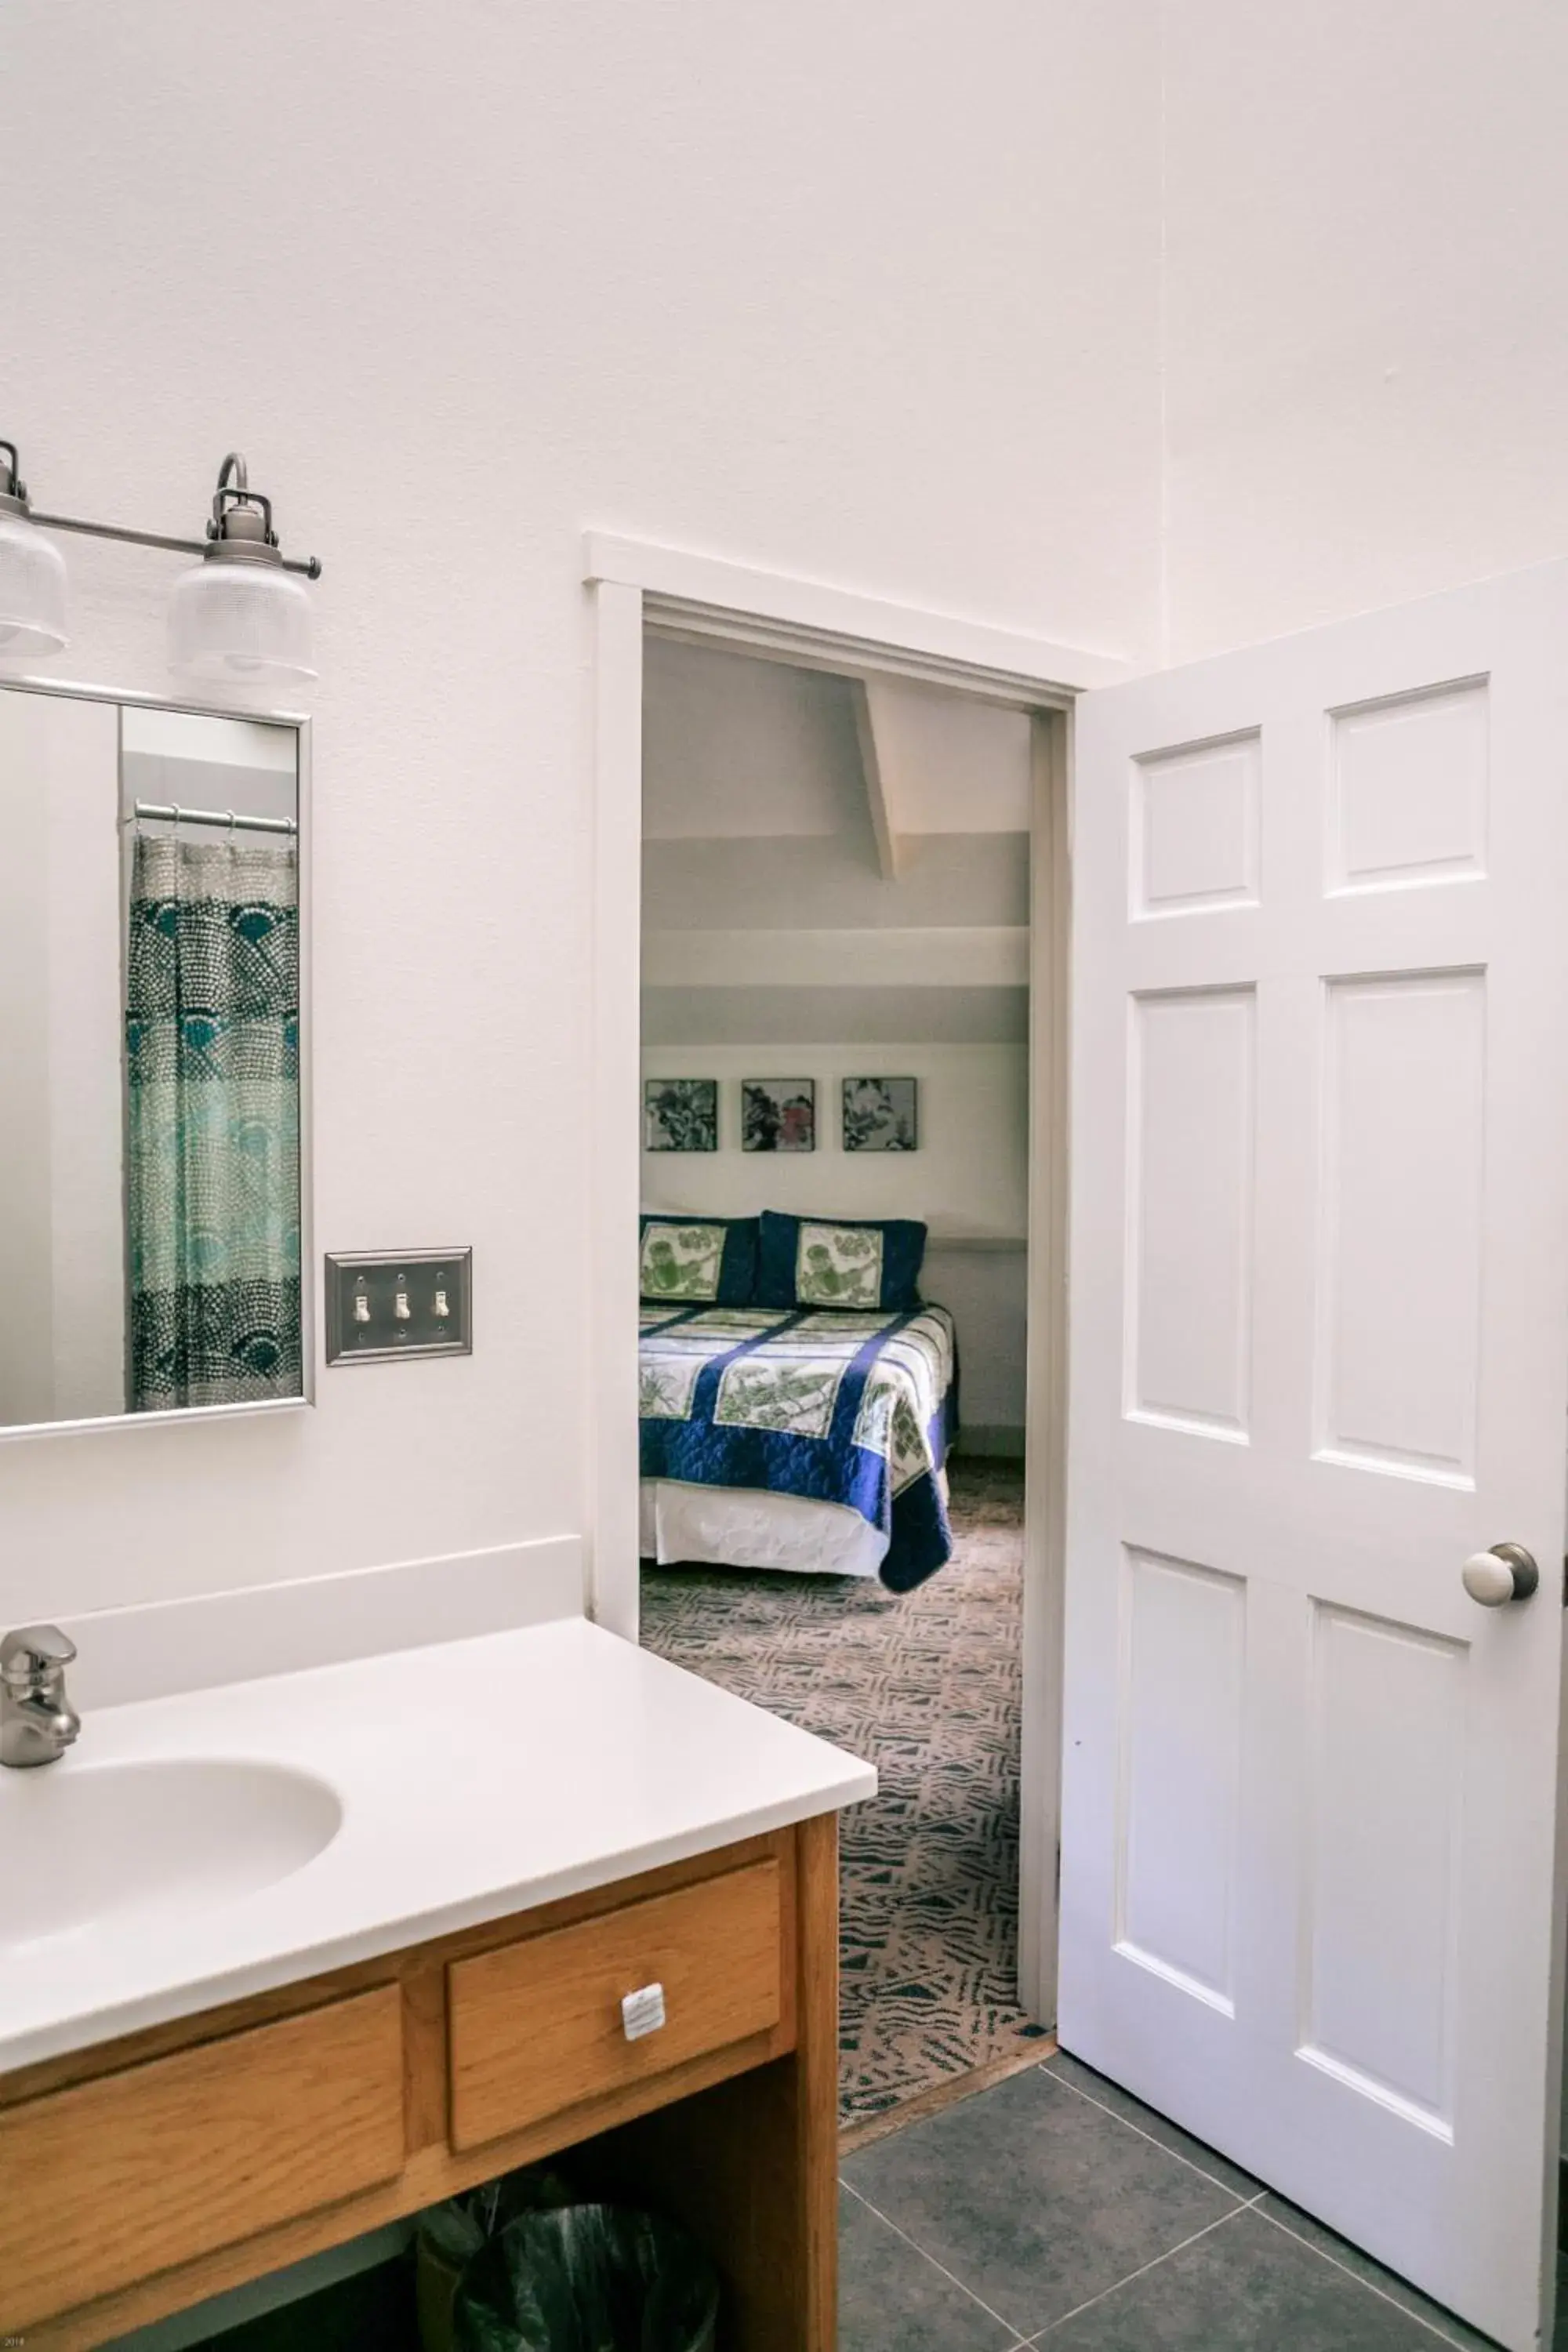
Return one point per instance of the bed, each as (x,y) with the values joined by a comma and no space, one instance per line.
(803,1438)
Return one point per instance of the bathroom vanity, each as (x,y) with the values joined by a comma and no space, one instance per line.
(526,1892)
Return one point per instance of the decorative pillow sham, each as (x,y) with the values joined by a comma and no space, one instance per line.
(851,1262)
(698,1261)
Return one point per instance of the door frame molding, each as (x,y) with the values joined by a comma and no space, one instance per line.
(639,589)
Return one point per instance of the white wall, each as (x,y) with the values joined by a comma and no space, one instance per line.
(987,1291)
(1366,343)
(776,283)
(969,1177)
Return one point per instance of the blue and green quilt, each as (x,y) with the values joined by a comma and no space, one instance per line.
(853,1409)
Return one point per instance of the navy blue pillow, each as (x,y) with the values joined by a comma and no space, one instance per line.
(846,1262)
(697,1261)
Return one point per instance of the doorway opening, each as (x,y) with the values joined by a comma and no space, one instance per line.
(835,1027)
(848,870)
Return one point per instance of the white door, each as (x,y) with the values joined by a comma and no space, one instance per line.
(1320,1356)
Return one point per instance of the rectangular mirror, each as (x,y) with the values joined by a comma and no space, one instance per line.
(150,1100)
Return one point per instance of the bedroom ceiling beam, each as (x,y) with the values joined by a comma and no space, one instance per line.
(876,767)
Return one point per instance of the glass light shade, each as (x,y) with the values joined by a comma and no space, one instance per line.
(32,592)
(249,623)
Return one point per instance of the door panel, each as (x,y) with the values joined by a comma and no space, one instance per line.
(1189,1225)
(1194,829)
(1319,1355)
(1399,1232)
(1180,1700)
(1379,1900)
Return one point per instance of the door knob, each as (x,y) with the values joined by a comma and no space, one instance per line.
(1507,1572)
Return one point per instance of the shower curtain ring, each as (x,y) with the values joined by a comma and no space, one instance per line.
(230,814)
(175,806)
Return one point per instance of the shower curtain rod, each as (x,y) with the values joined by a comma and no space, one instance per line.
(225,818)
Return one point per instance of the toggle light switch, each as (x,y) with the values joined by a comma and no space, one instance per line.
(417,1304)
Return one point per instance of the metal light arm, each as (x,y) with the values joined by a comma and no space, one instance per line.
(311,565)
(233,498)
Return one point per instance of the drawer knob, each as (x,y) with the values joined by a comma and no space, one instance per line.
(642,2012)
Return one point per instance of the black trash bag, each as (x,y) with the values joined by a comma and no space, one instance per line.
(455,2231)
(451,2235)
(588,2278)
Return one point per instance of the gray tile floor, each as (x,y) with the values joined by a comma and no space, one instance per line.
(1054,2209)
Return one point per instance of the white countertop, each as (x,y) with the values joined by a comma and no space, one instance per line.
(475,1778)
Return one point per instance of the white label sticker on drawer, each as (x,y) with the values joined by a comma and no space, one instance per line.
(643,2011)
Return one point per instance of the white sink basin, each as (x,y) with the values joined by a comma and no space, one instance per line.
(85,1846)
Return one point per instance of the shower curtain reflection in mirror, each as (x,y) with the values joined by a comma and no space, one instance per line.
(212,1042)
(152,1139)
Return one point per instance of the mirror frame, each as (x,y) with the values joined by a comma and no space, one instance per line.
(175,1416)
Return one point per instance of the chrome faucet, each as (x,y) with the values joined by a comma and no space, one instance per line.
(37,1722)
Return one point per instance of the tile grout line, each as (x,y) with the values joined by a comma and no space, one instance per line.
(1145,2268)
(925,2257)
(1382,2293)
(1247,2204)
(1212,2178)
(1240,2205)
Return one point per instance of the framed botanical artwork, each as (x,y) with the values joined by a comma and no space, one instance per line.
(882,1114)
(680,1114)
(778,1114)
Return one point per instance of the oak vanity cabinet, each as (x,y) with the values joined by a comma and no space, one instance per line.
(140,2176)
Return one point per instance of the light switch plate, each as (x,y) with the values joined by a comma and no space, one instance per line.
(381,1306)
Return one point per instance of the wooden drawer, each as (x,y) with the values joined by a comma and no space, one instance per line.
(132,2173)
(536,2027)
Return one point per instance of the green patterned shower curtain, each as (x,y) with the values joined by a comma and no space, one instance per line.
(212,1056)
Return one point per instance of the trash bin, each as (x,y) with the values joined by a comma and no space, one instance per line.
(587,2278)
(451,2235)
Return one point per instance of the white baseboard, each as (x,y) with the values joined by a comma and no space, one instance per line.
(995,1440)
(161,1647)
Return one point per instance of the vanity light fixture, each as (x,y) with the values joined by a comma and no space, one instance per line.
(237,616)
(32,573)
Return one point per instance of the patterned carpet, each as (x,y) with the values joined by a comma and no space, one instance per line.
(927,1684)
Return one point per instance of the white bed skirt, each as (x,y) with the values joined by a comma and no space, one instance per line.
(740,1527)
